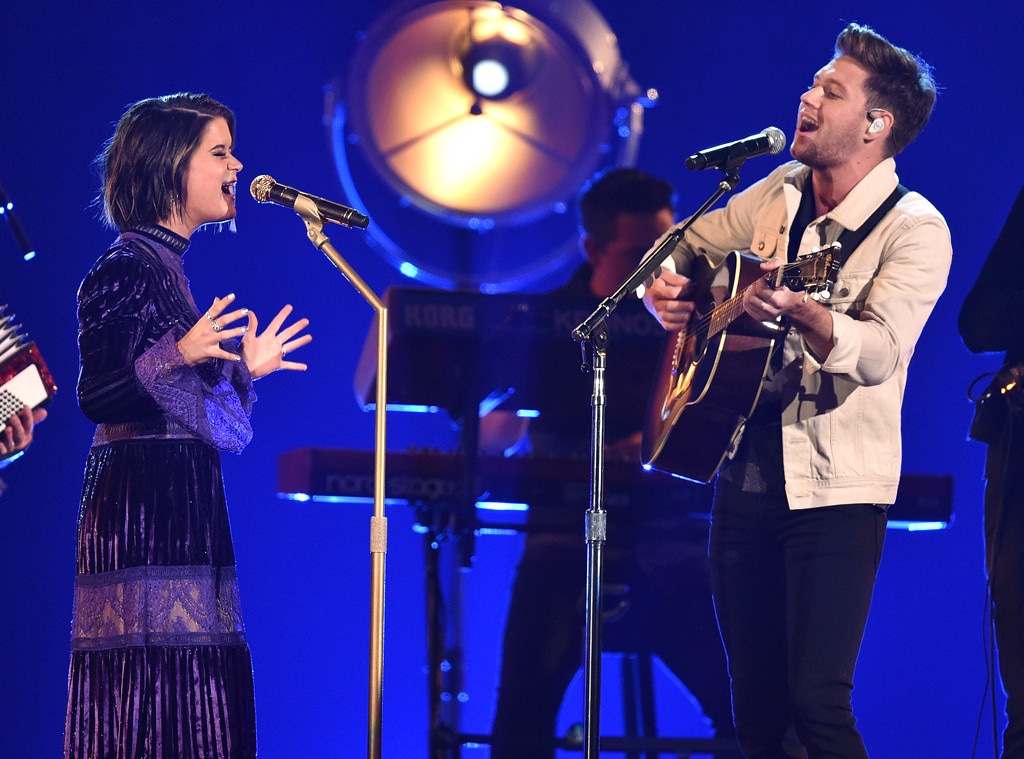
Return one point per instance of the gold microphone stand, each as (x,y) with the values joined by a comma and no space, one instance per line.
(306,208)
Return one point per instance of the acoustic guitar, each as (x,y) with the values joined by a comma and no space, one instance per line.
(710,374)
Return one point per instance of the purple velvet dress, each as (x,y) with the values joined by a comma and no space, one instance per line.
(160,666)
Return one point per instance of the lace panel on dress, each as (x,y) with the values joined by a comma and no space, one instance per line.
(160,606)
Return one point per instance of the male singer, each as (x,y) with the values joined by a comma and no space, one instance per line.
(799,513)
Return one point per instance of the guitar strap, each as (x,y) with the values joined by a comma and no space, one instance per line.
(851,238)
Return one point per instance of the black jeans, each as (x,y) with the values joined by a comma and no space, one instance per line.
(1004,543)
(792,591)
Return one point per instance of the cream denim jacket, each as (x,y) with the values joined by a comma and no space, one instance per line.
(841,418)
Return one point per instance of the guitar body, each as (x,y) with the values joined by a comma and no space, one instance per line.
(708,380)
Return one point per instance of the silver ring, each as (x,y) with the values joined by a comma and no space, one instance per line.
(216,327)
(209,316)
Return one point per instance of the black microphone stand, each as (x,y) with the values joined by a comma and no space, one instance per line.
(7,211)
(592,334)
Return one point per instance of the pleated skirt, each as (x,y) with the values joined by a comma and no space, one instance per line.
(160,667)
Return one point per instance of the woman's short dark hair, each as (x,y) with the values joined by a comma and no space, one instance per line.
(142,166)
(898,82)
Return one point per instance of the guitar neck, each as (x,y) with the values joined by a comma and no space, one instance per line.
(789,275)
(725,314)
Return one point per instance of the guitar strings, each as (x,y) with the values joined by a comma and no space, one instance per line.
(731,305)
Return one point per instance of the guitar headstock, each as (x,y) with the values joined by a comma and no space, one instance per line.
(813,274)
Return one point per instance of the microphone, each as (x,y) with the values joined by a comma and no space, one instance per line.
(265,189)
(732,154)
(7,211)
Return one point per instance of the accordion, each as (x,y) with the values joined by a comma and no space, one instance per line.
(24,378)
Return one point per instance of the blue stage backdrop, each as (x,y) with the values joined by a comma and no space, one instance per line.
(724,70)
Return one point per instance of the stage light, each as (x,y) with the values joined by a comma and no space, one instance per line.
(500,59)
(490,78)
(486,117)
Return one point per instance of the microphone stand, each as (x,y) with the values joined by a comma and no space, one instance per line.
(592,334)
(307,209)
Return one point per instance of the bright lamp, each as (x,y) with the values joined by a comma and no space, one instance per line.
(486,118)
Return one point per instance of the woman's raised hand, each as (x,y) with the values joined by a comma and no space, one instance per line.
(265,353)
(202,342)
